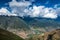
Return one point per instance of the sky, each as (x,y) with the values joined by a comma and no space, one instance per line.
(32,8)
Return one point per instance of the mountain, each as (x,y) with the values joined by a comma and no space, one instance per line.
(6,35)
(52,35)
(13,22)
(26,23)
(46,23)
(15,25)
(27,26)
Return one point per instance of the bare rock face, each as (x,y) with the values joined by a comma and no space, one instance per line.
(53,35)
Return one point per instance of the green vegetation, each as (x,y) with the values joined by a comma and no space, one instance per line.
(44,23)
(12,22)
(5,35)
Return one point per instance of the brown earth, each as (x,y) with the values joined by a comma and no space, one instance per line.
(52,35)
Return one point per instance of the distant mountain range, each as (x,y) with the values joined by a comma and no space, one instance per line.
(43,22)
(27,26)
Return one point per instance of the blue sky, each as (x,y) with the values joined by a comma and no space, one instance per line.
(48,3)
(32,8)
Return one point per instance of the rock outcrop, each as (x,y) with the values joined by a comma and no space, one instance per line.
(53,35)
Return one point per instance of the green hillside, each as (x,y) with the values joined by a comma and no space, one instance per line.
(12,22)
(44,23)
(5,35)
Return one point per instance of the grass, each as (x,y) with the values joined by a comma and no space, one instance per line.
(5,35)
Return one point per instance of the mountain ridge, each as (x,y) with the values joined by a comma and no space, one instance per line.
(28,26)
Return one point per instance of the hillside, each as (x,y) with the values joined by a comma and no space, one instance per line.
(27,23)
(5,35)
(52,35)
(47,24)
(12,22)
(27,26)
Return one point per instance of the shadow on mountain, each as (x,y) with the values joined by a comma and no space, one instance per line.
(5,35)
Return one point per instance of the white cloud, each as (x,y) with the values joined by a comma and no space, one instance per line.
(4,11)
(58,11)
(42,11)
(22,8)
(36,11)
(15,3)
(50,13)
(19,7)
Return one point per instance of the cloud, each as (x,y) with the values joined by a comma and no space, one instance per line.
(37,11)
(49,13)
(4,11)
(50,16)
(21,3)
(19,7)
(42,11)
(22,8)
(58,11)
